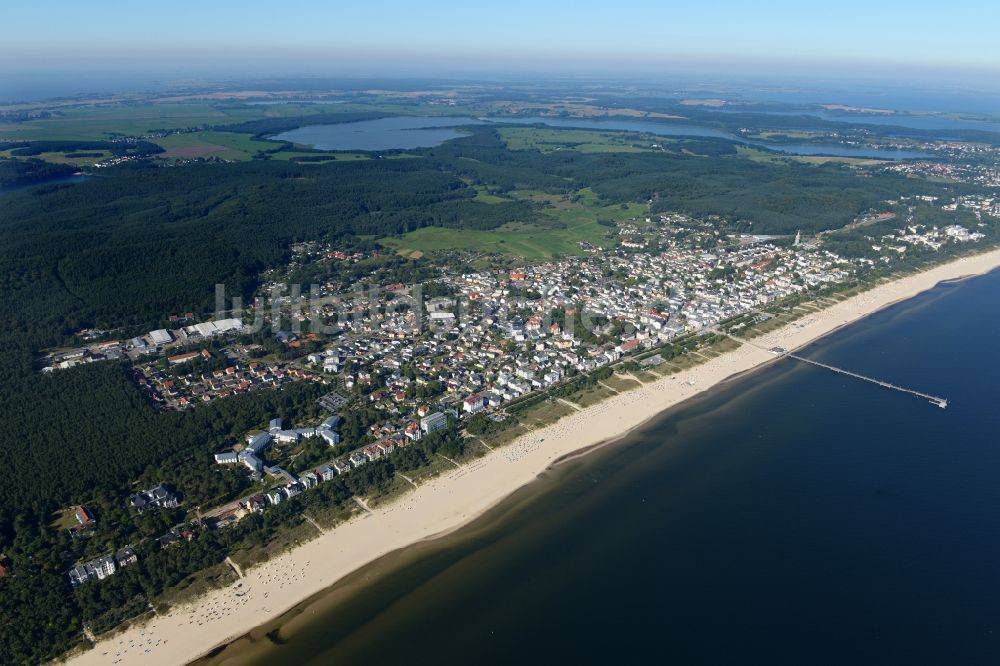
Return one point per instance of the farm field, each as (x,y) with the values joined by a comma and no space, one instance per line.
(223,145)
(572,221)
(585,141)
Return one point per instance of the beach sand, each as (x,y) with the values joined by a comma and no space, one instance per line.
(456,497)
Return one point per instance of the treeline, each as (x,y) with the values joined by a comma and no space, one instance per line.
(119,148)
(266,126)
(25,172)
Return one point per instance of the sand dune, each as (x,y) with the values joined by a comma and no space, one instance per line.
(456,497)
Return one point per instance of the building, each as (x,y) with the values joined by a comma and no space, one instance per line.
(98,568)
(257,443)
(125,557)
(252,462)
(174,536)
(157,497)
(330,436)
(160,337)
(183,358)
(256,504)
(474,403)
(84,518)
(287,436)
(433,422)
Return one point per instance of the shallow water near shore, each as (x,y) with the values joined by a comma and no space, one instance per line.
(789,516)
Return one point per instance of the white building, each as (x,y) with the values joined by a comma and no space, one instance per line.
(432,422)
(160,336)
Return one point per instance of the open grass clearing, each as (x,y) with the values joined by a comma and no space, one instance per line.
(621,383)
(565,223)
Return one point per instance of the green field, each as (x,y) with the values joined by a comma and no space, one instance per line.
(333,157)
(102,122)
(572,222)
(223,145)
(238,147)
(585,141)
(138,118)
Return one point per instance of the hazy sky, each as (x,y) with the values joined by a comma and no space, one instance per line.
(135,34)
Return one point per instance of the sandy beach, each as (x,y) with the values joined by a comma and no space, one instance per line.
(453,499)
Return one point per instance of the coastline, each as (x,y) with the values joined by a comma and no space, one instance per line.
(452,500)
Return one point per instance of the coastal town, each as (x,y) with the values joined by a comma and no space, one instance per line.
(477,344)
(409,368)
(385,333)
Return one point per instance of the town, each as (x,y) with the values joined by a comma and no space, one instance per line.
(467,346)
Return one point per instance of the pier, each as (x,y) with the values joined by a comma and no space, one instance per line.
(933,399)
(780,351)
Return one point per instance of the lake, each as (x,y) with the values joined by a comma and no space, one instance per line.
(670,129)
(791,516)
(923,122)
(397,133)
(406,132)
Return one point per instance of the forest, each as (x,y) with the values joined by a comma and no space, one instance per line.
(25,172)
(268,126)
(33,148)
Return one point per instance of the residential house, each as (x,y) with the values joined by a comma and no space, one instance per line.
(156,497)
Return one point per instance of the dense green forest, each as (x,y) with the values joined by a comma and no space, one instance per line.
(33,148)
(49,615)
(25,172)
(266,126)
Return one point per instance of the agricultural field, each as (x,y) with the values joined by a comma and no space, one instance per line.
(287,155)
(757,155)
(103,122)
(223,145)
(573,220)
(584,141)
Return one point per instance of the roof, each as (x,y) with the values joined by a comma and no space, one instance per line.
(160,336)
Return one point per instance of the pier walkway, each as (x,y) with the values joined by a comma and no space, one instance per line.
(781,352)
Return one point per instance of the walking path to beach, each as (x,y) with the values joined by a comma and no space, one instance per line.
(459,495)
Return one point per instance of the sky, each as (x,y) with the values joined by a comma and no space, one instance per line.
(447,36)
